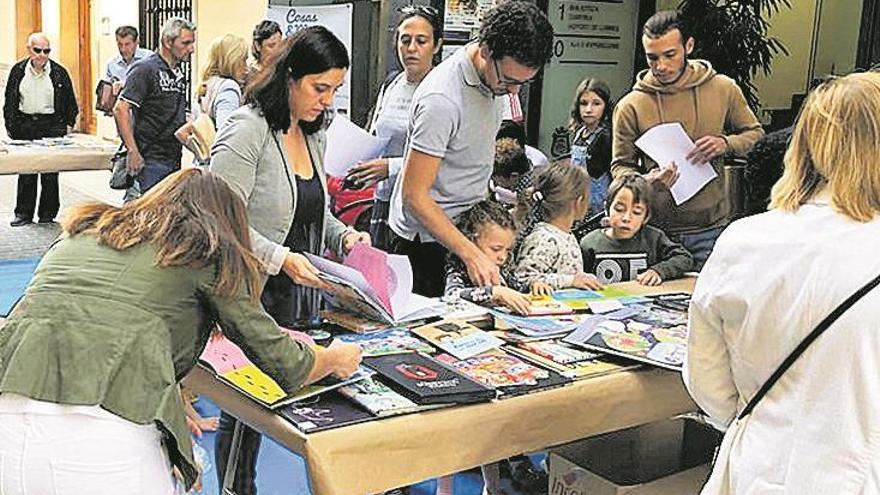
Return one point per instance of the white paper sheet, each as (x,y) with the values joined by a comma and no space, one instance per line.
(668,143)
(348,144)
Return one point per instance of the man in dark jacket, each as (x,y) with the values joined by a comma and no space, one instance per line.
(40,103)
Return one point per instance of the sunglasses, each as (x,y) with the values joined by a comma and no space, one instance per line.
(423,10)
(38,50)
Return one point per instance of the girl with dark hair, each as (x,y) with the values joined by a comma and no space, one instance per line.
(490,226)
(116,314)
(267,39)
(590,129)
(271,150)
(549,254)
(419,38)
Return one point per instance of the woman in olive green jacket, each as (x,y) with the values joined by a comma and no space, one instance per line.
(116,315)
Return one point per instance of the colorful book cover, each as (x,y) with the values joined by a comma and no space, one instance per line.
(426,381)
(553,380)
(380,399)
(657,345)
(496,369)
(538,326)
(546,305)
(330,410)
(259,386)
(580,299)
(574,371)
(326,384)
(458,338)
(389,341)
(557,351)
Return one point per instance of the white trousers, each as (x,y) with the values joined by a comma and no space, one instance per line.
(53,449)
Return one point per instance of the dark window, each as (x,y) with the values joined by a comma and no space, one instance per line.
(153,14)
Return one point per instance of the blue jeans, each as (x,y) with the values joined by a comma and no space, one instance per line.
(700,244)
(598,193)
(153,172)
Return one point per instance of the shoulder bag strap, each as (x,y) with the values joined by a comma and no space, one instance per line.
(796,353)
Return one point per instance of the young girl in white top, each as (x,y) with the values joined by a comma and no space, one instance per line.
(549,254)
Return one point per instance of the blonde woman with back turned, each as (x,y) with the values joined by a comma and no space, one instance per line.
(769,282)
(219,93)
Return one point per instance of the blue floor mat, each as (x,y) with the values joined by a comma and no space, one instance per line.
(281,472)
(15,275)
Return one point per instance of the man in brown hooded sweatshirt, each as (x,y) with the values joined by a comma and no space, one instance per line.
(713,112)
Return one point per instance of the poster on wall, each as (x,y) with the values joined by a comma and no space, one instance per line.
(465,15)
(593,38)
(336,18)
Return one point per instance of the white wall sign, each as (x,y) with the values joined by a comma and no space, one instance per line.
(593,38)
(336,18)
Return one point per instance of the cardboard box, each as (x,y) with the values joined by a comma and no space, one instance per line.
(665,458)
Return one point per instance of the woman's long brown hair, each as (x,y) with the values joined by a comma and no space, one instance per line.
(193,218)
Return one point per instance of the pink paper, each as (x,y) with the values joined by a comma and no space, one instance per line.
(373,265)
(223,355)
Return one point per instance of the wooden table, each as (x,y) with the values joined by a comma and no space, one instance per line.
(87,153)
(379,455)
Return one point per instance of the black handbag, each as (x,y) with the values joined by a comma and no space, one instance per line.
(120,178)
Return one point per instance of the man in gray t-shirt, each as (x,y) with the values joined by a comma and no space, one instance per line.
(451,143)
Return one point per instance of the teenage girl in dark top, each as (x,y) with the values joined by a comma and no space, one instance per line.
(590,128)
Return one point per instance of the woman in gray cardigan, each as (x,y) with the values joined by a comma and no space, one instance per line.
(271,150)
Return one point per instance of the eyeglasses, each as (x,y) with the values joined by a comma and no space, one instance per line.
(38,50)
(423,10)
(506,81)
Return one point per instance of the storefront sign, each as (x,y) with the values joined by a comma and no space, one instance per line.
(336,18)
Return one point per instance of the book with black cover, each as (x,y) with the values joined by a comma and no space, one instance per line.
(426,381)
(554,380)
(323,412)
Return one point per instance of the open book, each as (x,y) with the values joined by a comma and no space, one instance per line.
(230,364)
(376,285)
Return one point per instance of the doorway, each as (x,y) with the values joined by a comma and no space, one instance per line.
(869,35)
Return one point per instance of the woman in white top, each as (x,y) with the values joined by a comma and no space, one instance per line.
(771,279)
(419,38)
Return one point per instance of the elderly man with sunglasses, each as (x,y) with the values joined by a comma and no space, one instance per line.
(40,103)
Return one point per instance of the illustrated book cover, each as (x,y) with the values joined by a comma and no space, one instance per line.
(657,345)
(323,412)
(496,369)
(426,381)
(380,399)
(458,338)
(389,341)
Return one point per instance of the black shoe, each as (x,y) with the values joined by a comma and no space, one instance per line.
(46,220)
(19,221)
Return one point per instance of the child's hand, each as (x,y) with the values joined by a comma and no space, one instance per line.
(586,281)
(514,300)
(541,289)
(649,277)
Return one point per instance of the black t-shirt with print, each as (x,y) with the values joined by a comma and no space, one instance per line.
(159,94)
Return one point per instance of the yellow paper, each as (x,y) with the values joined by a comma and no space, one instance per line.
(255,383)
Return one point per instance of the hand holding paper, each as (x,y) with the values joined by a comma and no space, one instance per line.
(668,143)
(348,144)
